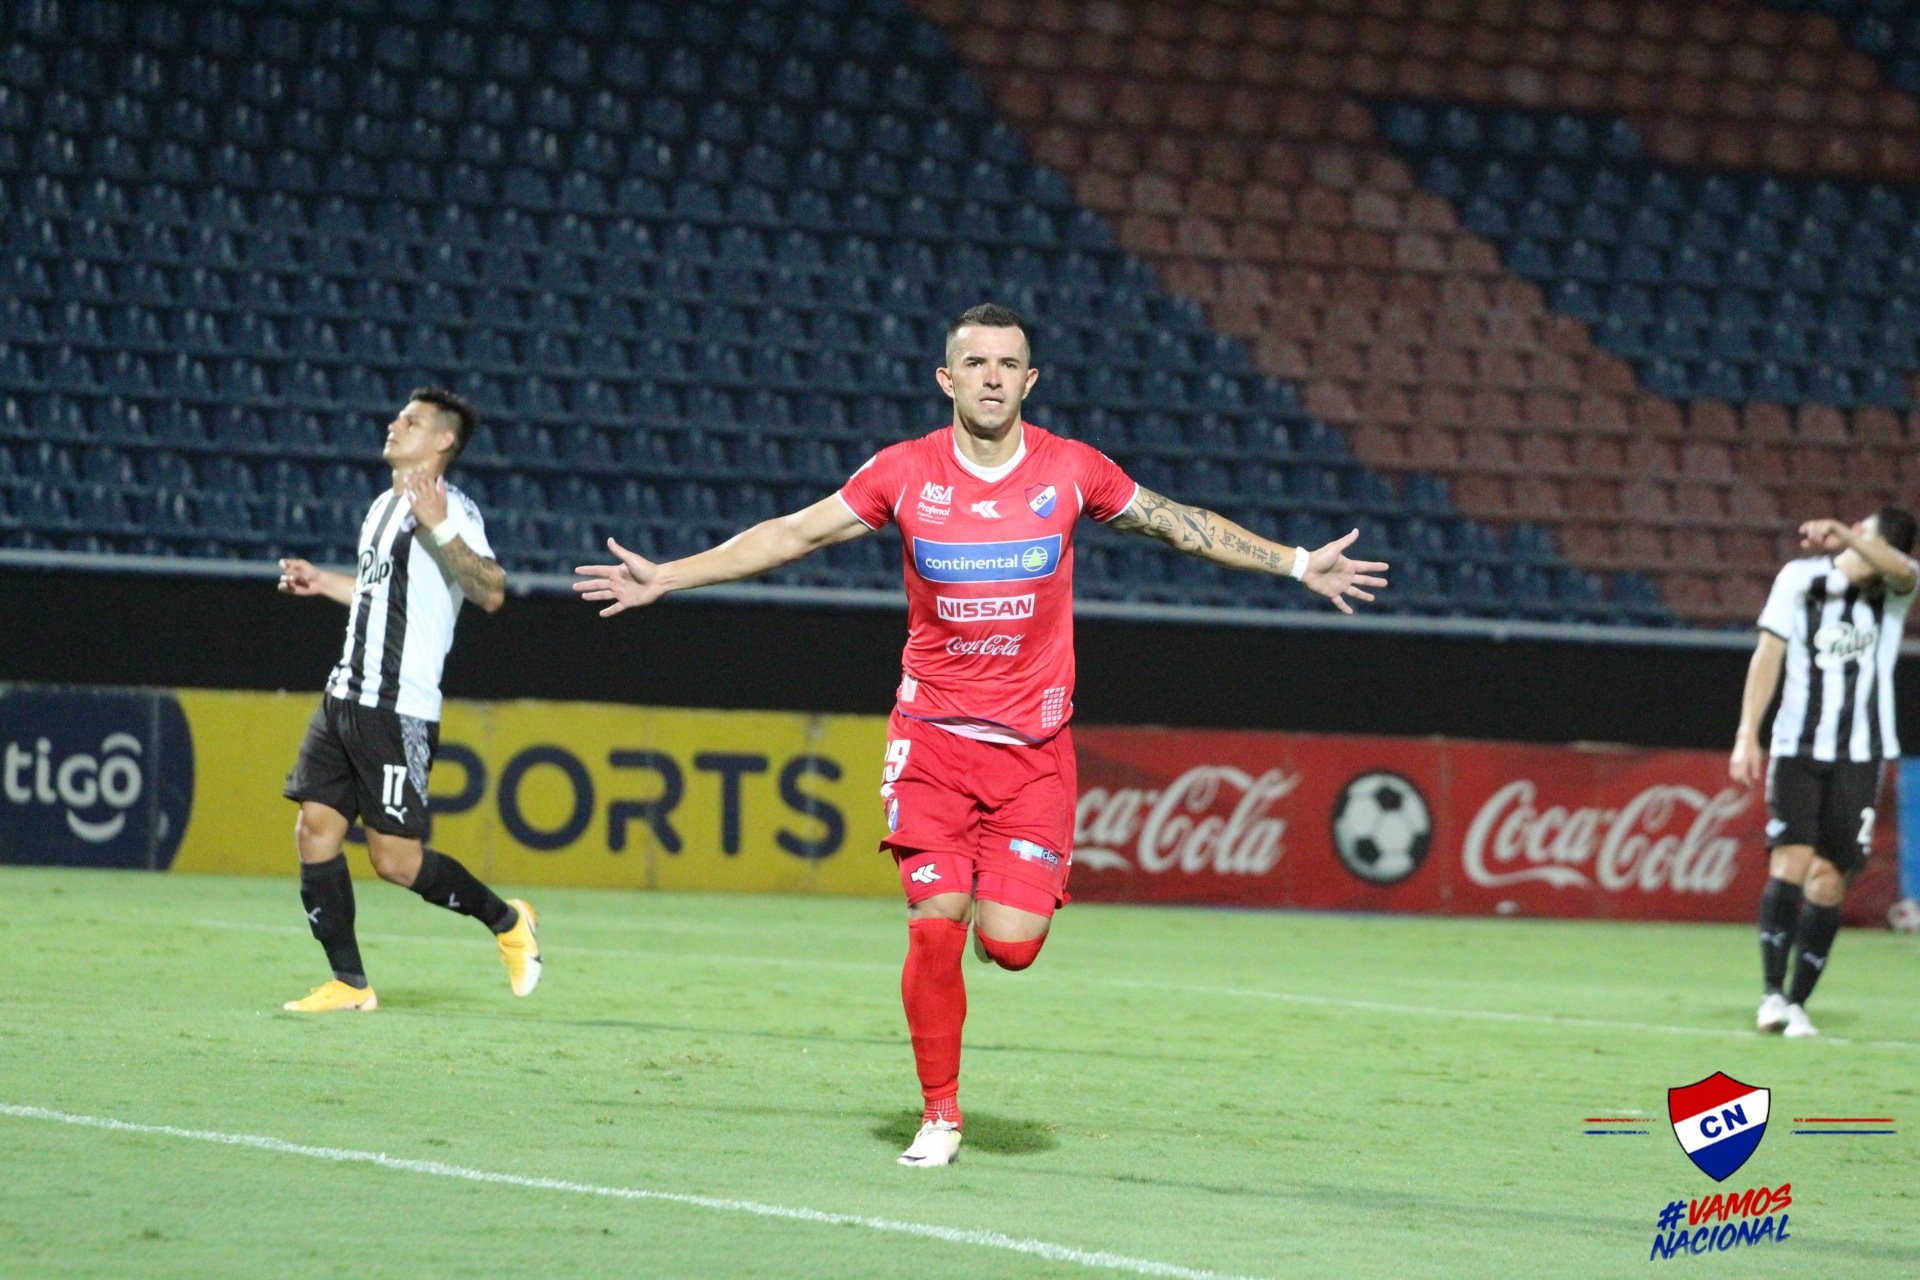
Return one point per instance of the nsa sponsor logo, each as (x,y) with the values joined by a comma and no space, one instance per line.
(936,502)
(1040,498)
(983,608)
(1719,1122)
(1019,560)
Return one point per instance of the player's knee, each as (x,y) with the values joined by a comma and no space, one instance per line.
(317,836)
(1011,955)
(1825,885)
(395,861)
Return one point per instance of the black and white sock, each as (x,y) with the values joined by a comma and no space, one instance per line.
(1779,914)
(445,883)
(1818,926)
(326,891)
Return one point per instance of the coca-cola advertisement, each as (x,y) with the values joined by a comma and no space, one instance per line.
(1393,824)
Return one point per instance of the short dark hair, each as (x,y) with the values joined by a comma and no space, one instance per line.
(1896,526)
(465,416)
(989,315)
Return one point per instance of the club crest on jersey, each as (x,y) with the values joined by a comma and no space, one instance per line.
(1719,1122)
(1040,499)
(1019,560)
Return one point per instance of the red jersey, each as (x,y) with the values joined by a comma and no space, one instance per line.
(988,559)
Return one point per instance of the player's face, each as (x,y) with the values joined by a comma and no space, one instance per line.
(415,436)
(988,374)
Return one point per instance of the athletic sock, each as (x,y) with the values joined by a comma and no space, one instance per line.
(326,891)
(1779,910)
(1818,926)
(445,883)
(934,992)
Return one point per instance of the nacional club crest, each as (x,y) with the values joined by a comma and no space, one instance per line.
(1719,1122)
(1041,497)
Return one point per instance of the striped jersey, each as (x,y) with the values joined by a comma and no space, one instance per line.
(1842,641)
(400,623)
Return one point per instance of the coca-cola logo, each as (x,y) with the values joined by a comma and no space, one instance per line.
(1211,819)
(1665,838)
(994,646)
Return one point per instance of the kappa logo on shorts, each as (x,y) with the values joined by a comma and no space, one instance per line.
(1028,851)
(924,875)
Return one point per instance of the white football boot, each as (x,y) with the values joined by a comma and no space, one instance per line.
(1798,1025)
(937,1143)
(1773,1012)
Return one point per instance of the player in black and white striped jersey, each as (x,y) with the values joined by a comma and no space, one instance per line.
(370,745)
(1833,623)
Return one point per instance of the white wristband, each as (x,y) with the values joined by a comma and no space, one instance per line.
(449,529)
(1299,569)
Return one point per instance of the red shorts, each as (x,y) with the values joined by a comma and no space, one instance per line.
(983,818)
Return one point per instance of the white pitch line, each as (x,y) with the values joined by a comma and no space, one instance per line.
(1244,993)
(1487,1015)
(434,1168)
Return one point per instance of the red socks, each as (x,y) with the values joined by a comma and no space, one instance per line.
(1012,955)
(935,996)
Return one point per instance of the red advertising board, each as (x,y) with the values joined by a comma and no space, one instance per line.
(1412,825)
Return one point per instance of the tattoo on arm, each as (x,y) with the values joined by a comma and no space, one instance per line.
(481,580)
(1181,527)
(1198,532)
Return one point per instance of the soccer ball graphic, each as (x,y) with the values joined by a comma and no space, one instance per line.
(1904,916)
(1381,827)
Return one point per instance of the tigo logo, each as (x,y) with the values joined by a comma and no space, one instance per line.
(1719,1122)
(983,608)
(1016,561)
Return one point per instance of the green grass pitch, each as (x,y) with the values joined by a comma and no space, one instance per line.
(702,1083)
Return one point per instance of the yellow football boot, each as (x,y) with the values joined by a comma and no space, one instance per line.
(335,996)
(520,949)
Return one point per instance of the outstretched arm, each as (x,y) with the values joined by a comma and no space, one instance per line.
(1211,536)
(303,578)
(1763,677)
(638,581)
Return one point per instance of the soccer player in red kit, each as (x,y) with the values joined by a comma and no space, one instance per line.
(979,778)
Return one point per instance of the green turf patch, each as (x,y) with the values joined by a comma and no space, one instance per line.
(722,1083)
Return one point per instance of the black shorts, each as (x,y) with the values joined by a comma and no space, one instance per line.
(368,763)
(1826,804)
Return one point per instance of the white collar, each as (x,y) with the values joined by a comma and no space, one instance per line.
(991,474)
